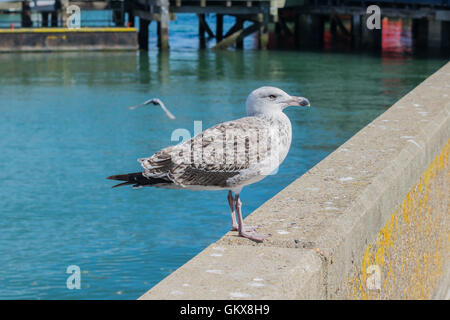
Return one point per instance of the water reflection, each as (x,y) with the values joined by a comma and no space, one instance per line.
(396,37)
(144,67)
(163,73)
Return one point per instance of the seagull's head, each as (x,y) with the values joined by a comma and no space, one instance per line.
(269,100)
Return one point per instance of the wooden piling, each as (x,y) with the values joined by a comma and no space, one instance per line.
(434,34)
(55,12)
(301,31)
(419,32)
(333,27)
(263,32)
(143,34)
(277,35)
(205,26)
(240,26)
(237,36)
(445,35)
(356,31)
(45,15)
(26,14)
(370,38)
(131,18)
(232,30)
(118,18)
(297,31)
(219,27)
(201,31)
(315,27)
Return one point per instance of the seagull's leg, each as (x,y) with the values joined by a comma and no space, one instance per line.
(232,204)
(234,225)
(244,232)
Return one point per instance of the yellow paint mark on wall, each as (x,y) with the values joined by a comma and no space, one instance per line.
(63,37)
(411,248)
(67,30)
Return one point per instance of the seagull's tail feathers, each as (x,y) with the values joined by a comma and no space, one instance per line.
(137,180)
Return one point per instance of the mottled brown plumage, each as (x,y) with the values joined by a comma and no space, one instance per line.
(216,155)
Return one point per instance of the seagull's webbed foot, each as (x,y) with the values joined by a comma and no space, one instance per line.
(258,237)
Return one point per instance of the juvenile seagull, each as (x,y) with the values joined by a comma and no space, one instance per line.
(227,156)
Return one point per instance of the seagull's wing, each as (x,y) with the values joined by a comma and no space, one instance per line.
(155,102)
(217,157)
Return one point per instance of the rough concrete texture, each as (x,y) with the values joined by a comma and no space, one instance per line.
(341,212)
(223,272)
(410,253)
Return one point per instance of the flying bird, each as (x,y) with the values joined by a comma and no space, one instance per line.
(155,102)
(227,156)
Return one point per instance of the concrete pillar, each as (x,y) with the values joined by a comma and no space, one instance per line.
(64,14)
(201,31)
(219,27)
(143,34)
(163,25)
(240,24)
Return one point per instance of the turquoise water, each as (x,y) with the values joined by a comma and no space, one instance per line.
(65,126)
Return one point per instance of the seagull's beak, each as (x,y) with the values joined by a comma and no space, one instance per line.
(298,101)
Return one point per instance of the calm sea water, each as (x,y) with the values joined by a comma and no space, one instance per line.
(65,126)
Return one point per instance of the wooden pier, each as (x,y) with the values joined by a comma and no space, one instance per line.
(304,21)
(161,11)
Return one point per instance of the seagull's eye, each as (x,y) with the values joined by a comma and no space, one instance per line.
(272,97)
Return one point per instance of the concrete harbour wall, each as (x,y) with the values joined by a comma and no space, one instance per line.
(64,39)
(370,221)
